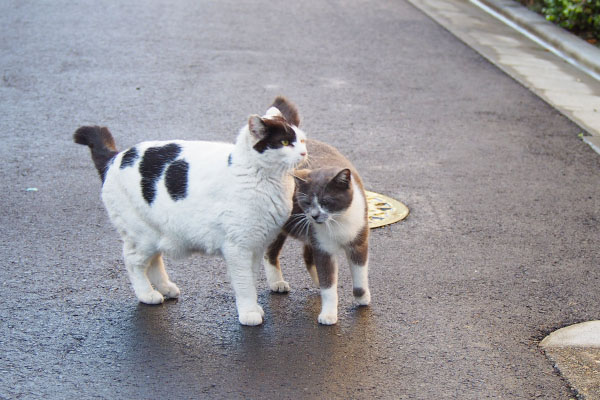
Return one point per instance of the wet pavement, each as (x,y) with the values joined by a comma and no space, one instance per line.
(500,247)
(562,70)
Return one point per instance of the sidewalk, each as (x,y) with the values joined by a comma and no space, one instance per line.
(535,64)
(565,72)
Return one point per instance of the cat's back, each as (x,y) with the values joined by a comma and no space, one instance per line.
(158,169)
(323,155)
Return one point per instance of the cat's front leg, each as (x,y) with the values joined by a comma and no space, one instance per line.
(241,266)
(273,268)
(327,270)
(358,259)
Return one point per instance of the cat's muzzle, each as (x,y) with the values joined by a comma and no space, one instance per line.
(319,218)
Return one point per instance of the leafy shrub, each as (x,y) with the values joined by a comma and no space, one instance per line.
(580,16)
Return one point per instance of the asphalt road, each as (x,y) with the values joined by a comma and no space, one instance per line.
(500,248)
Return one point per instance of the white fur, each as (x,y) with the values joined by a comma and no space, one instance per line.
(360,279)
(329,305)
(230,210)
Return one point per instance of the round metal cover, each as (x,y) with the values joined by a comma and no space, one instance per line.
(384,210)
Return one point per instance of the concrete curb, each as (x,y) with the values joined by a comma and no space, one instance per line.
(585,334)
(575,351)
(567,43)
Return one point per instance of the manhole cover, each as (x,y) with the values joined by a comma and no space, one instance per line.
(384,210)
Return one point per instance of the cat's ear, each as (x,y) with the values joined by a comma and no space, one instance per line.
(257,127)
(301,176)
(342,179)
(287,109)
(273,112)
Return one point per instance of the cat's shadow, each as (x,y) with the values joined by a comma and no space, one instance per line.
(291,343)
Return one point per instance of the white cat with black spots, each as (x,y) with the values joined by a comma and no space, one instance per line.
(179,197)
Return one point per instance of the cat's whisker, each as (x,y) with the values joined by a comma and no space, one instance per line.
(308,162)
(300,225)
(335,221)
(328,226)
(306,226)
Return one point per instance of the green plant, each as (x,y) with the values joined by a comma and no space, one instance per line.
(580,16)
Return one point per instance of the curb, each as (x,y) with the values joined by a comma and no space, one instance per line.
(575,351)
(578,50)
(585,334)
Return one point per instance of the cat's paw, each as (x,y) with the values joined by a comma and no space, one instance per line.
(327,318)
(260,310)
(280,287)
(251,318)
(362,296)
(151,297)
(169,290)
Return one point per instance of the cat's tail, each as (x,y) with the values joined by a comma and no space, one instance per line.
(101,144)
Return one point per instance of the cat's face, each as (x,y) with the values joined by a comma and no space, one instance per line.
(323,194)
(277,141)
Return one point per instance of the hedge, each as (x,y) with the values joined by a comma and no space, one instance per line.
(582,17)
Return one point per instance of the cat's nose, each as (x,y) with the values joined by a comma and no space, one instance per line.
(318,216)
(303,154)
(315,214)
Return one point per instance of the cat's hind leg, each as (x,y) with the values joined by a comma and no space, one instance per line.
(273,268)
(327,271)
(137,264)
(159,278)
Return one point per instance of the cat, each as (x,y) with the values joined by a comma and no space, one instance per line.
(178,197)
(329,216)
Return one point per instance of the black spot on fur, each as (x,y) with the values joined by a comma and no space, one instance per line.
(358,292)
(153,165)
(176,179)
(129,158)
(277,131)
(229,160)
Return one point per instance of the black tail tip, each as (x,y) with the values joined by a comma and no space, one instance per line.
(95,137)
(288,110)
(83,134)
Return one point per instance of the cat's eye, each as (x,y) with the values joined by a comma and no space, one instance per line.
(285,142)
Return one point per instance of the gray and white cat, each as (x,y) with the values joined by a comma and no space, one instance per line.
(179,197)
(329,216)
